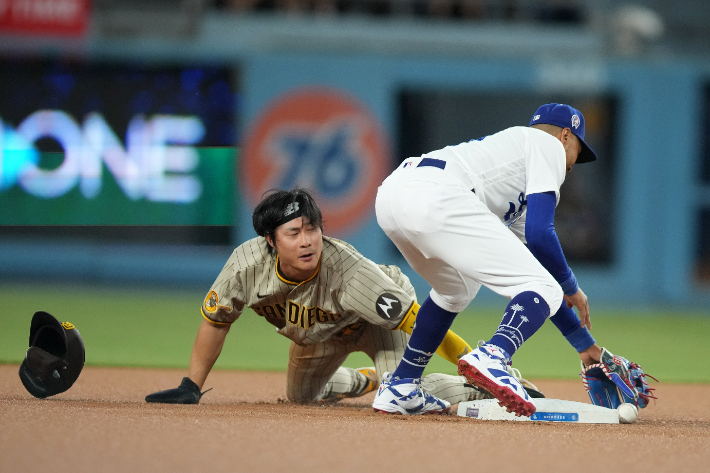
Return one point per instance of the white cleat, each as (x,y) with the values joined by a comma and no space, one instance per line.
(487,368)
(406,396)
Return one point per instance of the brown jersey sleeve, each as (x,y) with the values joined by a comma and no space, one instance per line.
(225,300)
(370,290)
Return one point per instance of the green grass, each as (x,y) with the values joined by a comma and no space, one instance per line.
(156,328)
(136,327)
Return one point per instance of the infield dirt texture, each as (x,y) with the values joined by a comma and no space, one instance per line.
(102,424)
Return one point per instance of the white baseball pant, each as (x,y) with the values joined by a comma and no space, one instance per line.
(449,236)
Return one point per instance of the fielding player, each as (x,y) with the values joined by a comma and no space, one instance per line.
(328,299)
(461,217)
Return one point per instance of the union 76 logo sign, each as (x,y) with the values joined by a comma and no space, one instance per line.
(324,140)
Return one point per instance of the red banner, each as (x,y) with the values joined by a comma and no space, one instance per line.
(45,17)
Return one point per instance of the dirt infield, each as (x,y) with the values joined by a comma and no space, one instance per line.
(244,424)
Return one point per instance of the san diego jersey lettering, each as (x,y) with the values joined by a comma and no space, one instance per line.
(346,288)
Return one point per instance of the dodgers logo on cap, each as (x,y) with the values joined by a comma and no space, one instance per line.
(563,115)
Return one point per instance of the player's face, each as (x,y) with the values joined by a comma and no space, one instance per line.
(572,147)
(299,245)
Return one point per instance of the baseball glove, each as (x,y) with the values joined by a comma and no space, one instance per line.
(186,393)
(616,380)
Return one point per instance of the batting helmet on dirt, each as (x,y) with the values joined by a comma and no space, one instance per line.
(55,357)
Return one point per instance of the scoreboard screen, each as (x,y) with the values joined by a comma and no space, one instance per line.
(106,144)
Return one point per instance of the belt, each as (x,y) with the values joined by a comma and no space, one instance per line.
(436,163)
(423,162)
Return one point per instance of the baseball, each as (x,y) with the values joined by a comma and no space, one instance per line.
(627,413)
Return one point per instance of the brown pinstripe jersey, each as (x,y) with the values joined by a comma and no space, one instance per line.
(346,288)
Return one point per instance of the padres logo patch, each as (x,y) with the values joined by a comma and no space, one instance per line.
(67,325)
(388,306)
(211,302)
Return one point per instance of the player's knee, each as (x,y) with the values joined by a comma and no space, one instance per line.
(556,299)
(301,398)
(551,292)
(299,394)
(451,303)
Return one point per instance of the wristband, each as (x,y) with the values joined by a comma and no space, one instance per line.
(580,339)
(570,286)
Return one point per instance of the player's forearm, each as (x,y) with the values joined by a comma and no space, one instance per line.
(568,323)
(208,345)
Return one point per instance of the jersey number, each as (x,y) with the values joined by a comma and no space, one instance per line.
(512,213)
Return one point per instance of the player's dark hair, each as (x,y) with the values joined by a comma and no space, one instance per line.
(279,206)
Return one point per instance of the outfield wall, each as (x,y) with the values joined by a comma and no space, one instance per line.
(657,193)
(656,198)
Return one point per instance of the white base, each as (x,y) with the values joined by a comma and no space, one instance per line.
(548,410)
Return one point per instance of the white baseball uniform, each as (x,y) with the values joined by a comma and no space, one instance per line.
(449,212)
(350,304)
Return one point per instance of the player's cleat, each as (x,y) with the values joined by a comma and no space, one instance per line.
(371,376)
(406,396)
(529,387)
(486,367)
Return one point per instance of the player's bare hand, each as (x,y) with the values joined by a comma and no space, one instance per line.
(579,300)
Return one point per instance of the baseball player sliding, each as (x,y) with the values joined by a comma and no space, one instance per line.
(323,295)
(461,216)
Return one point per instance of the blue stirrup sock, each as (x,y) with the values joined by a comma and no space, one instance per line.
(429,331)
(524,315)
